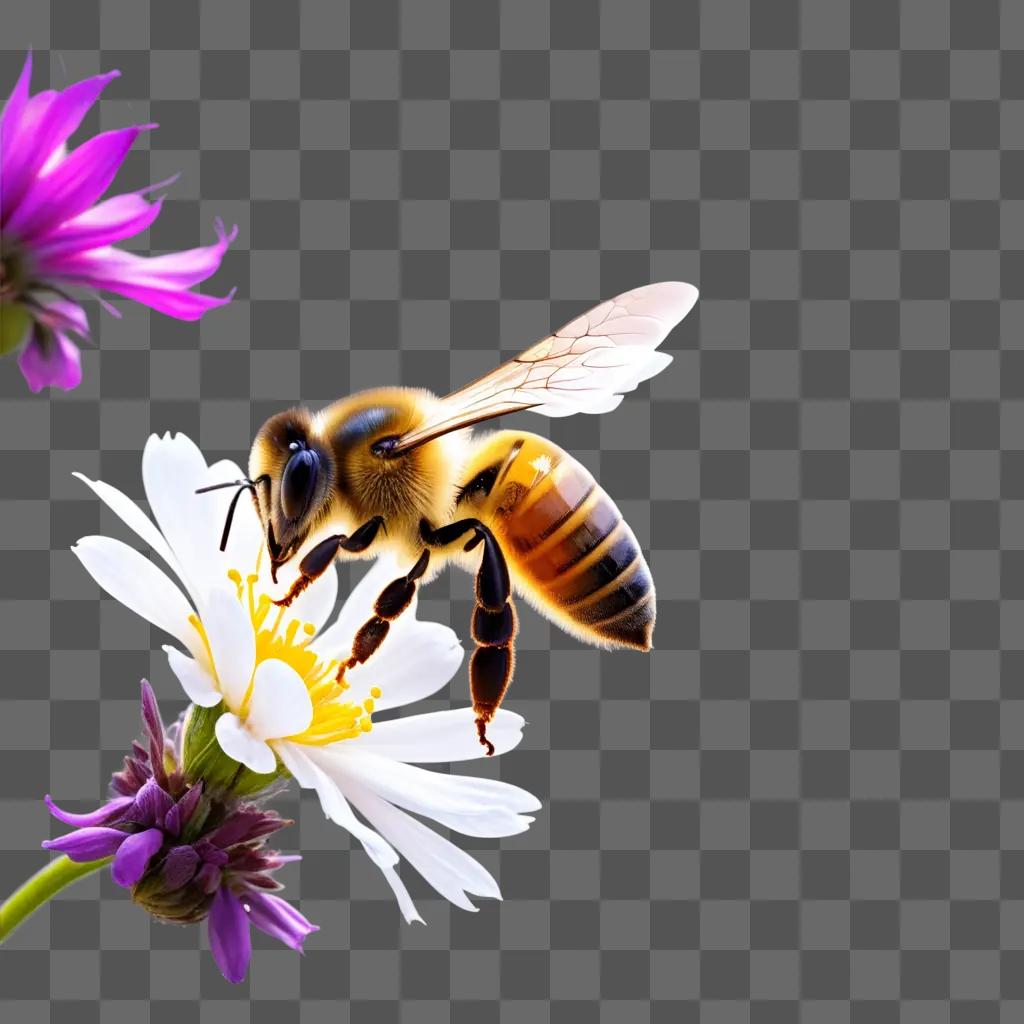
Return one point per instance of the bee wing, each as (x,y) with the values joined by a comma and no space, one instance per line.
(585,366)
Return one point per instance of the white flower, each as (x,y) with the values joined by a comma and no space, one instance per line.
(276,671)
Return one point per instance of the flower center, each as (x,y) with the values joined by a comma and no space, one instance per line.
(334,719)
(13,281)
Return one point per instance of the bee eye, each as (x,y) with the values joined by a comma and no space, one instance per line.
(385,446)
(298,482)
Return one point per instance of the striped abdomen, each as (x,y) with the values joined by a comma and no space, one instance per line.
(566,540)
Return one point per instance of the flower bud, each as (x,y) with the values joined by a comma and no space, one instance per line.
(186,848)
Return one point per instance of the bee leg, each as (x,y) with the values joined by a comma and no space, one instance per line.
(393,600)
(494,619)
(318,559)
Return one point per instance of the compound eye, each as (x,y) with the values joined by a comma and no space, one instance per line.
(385,446)
(298,482)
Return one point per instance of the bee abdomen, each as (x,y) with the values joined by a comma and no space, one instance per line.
(585,558)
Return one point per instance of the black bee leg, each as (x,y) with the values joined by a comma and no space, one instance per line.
(393,600)
(494,619)
(318,559)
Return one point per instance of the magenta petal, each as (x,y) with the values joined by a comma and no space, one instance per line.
(159,282)
(174,271)
(230,941)
(278,919)
(74,184)
(46,122)
(10,127)
(87,844)
(109,812)
(133,857)
(60,366)
(187,268)
(10,117)
(113,220)
(62,315)
(177,304)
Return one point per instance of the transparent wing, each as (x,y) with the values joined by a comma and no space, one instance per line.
(586,366)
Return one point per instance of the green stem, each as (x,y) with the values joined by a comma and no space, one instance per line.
(41,887)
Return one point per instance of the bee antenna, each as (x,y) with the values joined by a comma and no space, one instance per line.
(246,483)
(231,512)
(243,485)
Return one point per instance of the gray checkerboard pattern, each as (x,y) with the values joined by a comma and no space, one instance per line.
(808,803)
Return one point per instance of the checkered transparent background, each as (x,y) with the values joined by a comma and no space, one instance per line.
(807,803)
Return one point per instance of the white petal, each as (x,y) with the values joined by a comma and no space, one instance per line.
(471,805)
(405,903)
(415,661)
(133,517)
(195,680)
(232,643)
(335,806)
(131,578)
(489,824)
(317,601)
(310,775)
(441,736)
(280,704)
(237,742)
(173,468)
(450,870)
(337,639)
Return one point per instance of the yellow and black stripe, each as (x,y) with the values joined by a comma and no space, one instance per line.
(567,540)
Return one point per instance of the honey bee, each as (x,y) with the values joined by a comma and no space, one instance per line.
(400,469)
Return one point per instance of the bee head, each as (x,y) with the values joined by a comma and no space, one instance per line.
(299,472)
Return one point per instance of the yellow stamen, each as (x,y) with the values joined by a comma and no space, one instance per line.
(334,719)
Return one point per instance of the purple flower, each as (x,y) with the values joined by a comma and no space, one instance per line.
(186,855)
(56,234)
(230,917)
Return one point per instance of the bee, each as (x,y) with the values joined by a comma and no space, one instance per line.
(400,469)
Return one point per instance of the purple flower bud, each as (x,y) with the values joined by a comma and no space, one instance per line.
(132,858)
(211,854)
(179,867)
(105,815)
(87,844)
(172,821)
(187,854)
(208,878)
(151,717)
(230,942)
(188,803)
(155,733)
(246,824)
(151,804)
(278,919)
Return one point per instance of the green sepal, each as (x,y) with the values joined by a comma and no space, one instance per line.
(14,325)
(204,760)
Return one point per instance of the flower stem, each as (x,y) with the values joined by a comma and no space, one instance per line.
(41,887)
